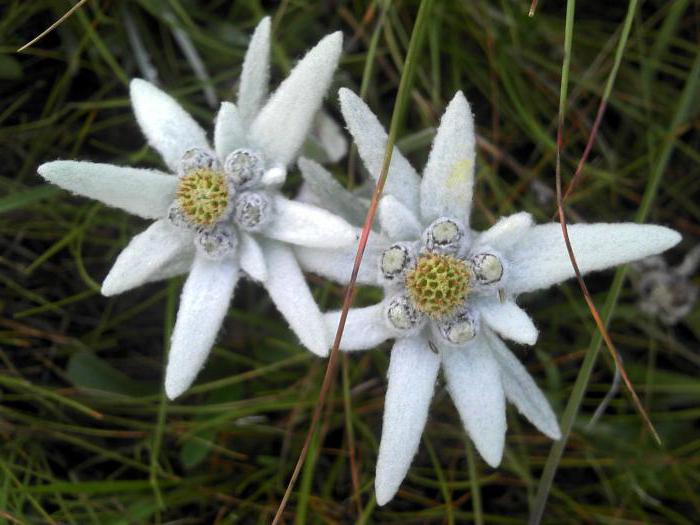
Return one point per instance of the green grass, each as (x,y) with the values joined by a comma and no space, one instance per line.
(86,435)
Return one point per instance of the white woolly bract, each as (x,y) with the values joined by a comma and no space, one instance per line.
(290,292)
(329,194)
(203,306)
(146,193)
(229,130)
(369,135)
(298,223)
(503,235)
(161,251)
(252,258)
(282,125)
(521,390)
(508,320)
(474,382)
(411,376)
(364,327)
(539,259)
(169,129)
(448,178)
(336,263)
(397,221)
(255,73)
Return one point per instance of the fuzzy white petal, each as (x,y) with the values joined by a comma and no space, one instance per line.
(252,257)
(306,225)
(448,179)
(364,327)
(274,177)
(522,391)
(181,263)
(540,259)
(370,137)
(412,373)
(506,232)
(289,291)
(474,382)
(398,222)
(284,122)
(330,194)
(229,132)
(337,263)
(152,254)
(509,320)
(255,74)
(169,129)
(329,135)
(203,306)
(146,193)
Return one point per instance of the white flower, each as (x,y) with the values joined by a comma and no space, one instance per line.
(667,292)
(450,291)
(219,210)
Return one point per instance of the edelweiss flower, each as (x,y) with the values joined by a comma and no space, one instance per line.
(222,212)
(450,291)
(664,291)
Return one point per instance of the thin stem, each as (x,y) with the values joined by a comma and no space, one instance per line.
(586,369)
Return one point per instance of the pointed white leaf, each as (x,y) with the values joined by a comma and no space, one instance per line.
(169,129)
(522,391)
(337,263)
(255,74)
(364,327)
(398,222)
(182,263)
(146,193)
(329,135)
(153,254)
(306,195)
(229,133)
(369,135)
(412,373)
(330,194)
(540,259)
(506,232)
(274,177)
(252,257)
(509,320)
(289,291)
(447,186)
(474,382)
(306,225)
(203,306)
(283,123)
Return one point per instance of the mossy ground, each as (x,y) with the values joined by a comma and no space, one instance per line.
(87,436)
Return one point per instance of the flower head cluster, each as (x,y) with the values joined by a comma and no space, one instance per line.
(219,213)
(450,291)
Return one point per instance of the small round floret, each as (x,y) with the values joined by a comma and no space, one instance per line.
(395,261)
(253,210)
(459,328)
(244,167)
(402,314)
(443,235)
(487,268)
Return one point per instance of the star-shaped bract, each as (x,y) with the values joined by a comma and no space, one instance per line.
(218,211)
(450,291)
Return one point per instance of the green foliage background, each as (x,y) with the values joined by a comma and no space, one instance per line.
(86,434)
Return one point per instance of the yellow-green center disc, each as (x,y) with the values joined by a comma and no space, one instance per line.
(203,196)
(438,284)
